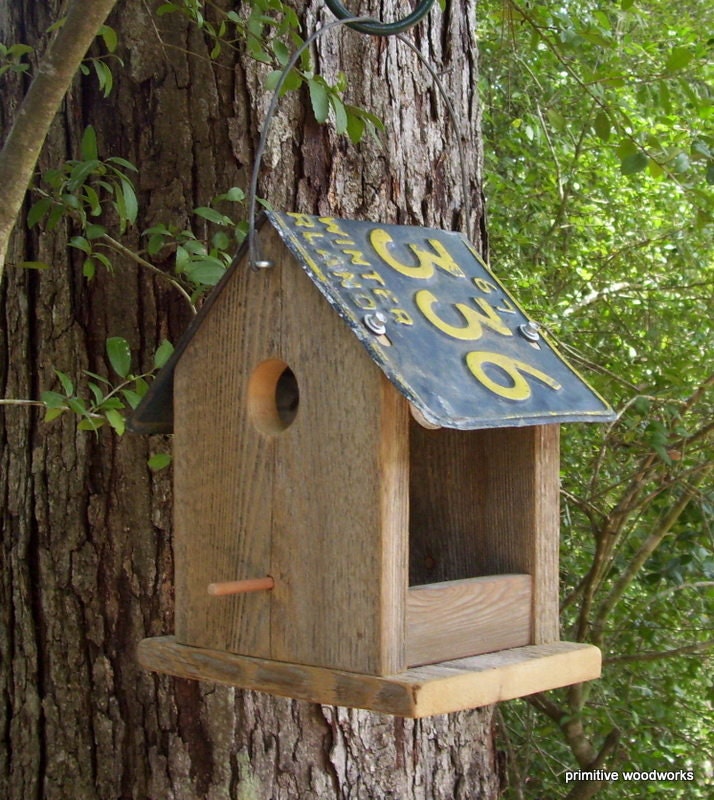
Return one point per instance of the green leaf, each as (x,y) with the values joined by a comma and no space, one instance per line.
(19,50)
(681,163)
(90,424)
(89,268)
(104,76)
(131,205)
(81,171)
(207,272)
(77,405)
(92,200)
(341,121)
(66,381)
(159,461)
(679,58)
(272,79)
(38,211)
(34,265)
(54,400)
(163,353)
(109,35)
(53,413)
(103,260)
(122,162)
(556,119)
(655,170)
(132,398)
(119,355)
(319,98)
(116,420)
(156,243)
(166,8)
(95,231)
(355,127)
(282,53)
(183,259)
(602,126)
(293,81)
(88,145)
(221,240)
(97,391)
(633,163)
(99,378)
(212,215)
(55,26)
(235,194)
(81,244)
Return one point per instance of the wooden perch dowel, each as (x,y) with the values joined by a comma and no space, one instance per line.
(240,587)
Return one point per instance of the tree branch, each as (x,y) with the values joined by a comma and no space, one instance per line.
(685,650)
(646,549)
(142,262)
(37,111)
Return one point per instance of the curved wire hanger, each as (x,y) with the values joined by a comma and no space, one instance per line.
(374,26)
(255,259)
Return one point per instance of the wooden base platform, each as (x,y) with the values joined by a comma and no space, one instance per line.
(418,692)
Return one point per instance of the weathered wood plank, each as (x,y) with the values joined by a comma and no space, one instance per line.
(468,617)
(223,470)
(522,516)
(340,497)
(418,692)
(492,496)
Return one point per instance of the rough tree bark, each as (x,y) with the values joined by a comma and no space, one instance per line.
(86,529)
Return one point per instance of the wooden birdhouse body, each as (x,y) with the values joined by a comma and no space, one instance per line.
(319,506)
(390,546)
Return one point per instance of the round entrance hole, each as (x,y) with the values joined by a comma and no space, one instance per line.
(273,396)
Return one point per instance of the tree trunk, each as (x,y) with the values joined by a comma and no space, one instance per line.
(86,527)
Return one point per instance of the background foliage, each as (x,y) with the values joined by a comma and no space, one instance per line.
(599,173)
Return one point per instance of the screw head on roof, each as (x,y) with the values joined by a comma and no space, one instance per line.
(376,323)
(530,330)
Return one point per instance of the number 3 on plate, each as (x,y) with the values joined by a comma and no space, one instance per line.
(519,388)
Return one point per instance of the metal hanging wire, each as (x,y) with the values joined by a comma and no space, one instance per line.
(254,257)
(374,26)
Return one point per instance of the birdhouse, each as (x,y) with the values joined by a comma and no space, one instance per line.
(366,474)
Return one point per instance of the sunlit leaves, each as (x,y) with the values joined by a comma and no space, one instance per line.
(642,76)
(605,225)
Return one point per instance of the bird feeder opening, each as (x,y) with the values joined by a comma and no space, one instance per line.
(273,397)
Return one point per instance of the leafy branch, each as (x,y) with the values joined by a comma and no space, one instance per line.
(37,110)
(109,401)
(270,32)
